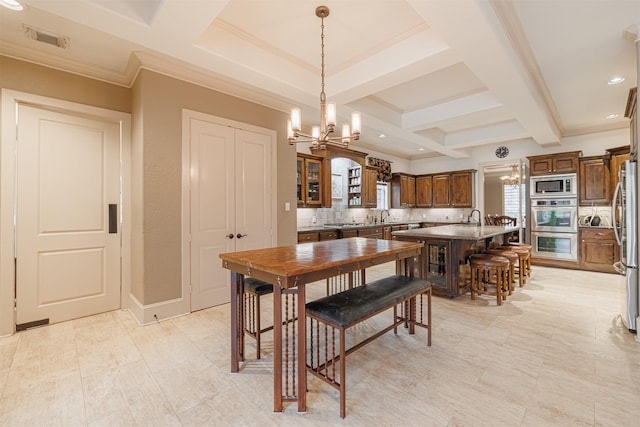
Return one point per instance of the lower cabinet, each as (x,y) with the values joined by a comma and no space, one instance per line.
(371,232)
(598,249)
(317,236)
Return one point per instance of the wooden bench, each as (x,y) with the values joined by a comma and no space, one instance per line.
(345,309)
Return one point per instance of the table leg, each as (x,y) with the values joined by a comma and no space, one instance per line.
(237,327)
(302,349)
(277,348)
(290,351)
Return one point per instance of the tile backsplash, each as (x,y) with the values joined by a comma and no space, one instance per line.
(308,217)
(604,212)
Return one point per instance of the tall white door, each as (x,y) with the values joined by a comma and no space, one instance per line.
(68,258)
(230,203)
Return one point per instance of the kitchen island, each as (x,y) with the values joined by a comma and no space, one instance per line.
(443,261)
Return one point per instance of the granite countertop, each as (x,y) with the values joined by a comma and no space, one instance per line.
(341,226)
(458,232)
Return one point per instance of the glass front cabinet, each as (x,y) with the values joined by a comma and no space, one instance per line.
(309,181)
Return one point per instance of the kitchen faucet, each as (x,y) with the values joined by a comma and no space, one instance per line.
(479,223)
(382,219)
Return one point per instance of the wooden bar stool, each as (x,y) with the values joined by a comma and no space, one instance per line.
(523,260)
(484,268)
(253,290)
(529,248)
(513,259)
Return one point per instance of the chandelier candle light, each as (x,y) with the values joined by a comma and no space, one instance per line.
(321,135)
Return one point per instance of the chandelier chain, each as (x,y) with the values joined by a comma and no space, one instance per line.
(323,97)
(322,135)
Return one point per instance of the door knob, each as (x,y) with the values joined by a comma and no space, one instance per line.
(240,236)
(229,236)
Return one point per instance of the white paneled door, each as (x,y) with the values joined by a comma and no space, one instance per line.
(230,203)
(67,236)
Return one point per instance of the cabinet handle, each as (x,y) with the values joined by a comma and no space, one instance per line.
(229,236)
(240,236)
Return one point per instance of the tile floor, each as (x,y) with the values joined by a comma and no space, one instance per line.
(555,354)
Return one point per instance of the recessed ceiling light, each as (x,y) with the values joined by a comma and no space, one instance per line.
(421,149)
(11,4)
(616,80)
(382,135)
(612,116)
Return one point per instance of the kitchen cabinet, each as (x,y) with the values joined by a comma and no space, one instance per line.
(594,188)
(453,189)
(598,249)
(317,236)
(554,163)
(617,157)
(371,232)
(462,189)
(388,229)
(309,181)
(371,187)
(441,191)
(403,191)
(631,112)
(357,181)
(424,191)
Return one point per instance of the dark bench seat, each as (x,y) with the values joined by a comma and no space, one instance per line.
(346,309)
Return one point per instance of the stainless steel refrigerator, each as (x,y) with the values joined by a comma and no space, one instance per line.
(625,226)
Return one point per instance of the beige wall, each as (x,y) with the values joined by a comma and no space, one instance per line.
(156,102)
(38,80)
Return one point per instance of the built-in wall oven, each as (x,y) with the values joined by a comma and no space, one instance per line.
(554,219)
(561,246)
(554,215)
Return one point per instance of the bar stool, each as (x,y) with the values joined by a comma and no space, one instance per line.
(523,261)
(529,248)
(253,290)
(513,259)
(483,268)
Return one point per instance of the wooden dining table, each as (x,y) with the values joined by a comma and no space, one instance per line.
(289,269)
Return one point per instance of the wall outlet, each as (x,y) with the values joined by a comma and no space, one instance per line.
(424,216)
(314,219)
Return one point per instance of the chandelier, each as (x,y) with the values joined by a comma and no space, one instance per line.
(322,135)
(513,179)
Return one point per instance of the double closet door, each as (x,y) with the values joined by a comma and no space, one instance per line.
(230,202)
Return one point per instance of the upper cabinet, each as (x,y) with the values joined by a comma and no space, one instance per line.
(554,163)
(424,191)
(352,171)
(631,112)
(371,187)
(309,181)
(594,187)
(441,184)
(448,190)
(462,189)
(403,191)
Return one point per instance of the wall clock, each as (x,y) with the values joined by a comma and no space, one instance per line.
(502,152)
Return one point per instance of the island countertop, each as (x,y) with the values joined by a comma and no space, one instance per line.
(458,232)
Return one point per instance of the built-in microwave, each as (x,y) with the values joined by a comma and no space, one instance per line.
(553,186)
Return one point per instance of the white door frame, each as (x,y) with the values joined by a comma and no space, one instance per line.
(10,101)
(187,115)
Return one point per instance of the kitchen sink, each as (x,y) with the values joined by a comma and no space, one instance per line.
(344,224)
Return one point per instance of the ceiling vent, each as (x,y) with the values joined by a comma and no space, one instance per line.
(46,37)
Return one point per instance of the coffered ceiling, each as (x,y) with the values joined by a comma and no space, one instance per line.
(435,77)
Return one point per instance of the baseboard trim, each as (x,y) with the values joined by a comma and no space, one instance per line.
(152,313)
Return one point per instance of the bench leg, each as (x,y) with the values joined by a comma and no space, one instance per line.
(343,376)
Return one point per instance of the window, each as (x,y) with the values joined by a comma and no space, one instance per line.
(383,195)
(511,205)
